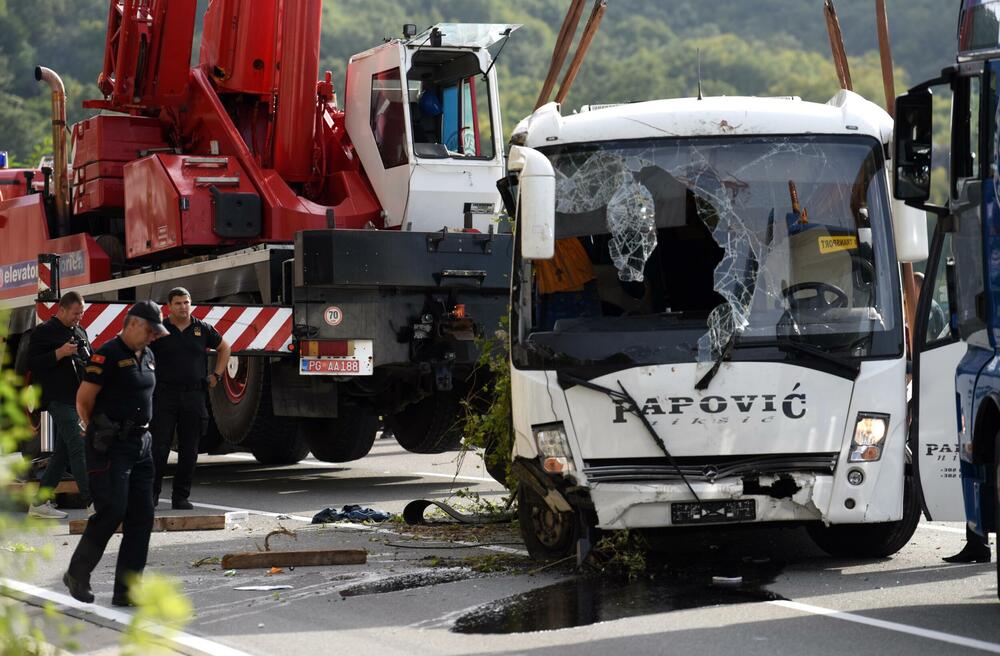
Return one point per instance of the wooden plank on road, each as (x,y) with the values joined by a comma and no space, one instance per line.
(260,559)
(170,523)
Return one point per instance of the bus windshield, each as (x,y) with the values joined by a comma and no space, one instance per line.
(680,249)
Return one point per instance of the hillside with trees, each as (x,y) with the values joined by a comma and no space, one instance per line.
(644,49)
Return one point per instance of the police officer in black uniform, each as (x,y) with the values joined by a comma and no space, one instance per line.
(115,404)
(179,403)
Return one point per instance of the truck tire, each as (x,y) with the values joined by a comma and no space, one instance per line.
(348,437)
(547,535)
(871,540)
(431,425)
(280,452)
(242,410)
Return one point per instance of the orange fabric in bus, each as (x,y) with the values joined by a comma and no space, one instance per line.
(568,271)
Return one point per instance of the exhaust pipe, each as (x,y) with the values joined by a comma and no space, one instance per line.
(60,155)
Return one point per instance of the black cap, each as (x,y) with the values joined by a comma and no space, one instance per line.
(149,311)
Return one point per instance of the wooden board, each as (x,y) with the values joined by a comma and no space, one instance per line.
(170,523)
(261,559)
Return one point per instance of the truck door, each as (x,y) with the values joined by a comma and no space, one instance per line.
(378,118)
(934,439)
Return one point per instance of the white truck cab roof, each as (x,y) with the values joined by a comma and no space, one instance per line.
(845,113)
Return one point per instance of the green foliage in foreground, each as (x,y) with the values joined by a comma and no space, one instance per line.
(161,605)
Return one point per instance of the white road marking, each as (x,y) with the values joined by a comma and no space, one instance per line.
(943,529)
(317,463)
(357,527)
(930,634)
(203,645)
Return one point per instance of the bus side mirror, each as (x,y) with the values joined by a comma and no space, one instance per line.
(536,202)
(912,160)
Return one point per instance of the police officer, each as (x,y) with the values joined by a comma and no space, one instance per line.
(115,404)
(57,352)
(179,403)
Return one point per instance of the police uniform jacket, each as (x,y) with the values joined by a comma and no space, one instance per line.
(126,382)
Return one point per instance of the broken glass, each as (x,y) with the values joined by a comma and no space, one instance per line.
(768,202)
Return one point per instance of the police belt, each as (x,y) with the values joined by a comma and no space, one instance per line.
(102,431)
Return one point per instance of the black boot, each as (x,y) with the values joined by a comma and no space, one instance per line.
(182,504)
(971,553)
(121,601)
(976,550)
(79,588)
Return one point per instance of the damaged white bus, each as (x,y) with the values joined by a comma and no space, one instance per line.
(707,322)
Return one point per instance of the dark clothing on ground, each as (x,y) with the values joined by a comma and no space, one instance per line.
(121,478)
(69,450)
(179,404)
(181,410)
(59,379)
(115,367)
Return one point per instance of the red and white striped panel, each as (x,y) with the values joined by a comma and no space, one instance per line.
(247,328)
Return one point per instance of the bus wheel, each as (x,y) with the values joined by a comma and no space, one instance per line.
(871,540)
(431,425)
(547,534)
(348,437)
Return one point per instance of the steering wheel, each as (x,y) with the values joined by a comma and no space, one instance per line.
(819,300)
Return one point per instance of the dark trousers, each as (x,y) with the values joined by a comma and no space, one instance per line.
(69,450)
(179,410)
(121,485)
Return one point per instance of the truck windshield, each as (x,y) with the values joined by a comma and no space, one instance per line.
(673,250)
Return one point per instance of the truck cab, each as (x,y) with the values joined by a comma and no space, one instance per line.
(427,113)
(707,324)
(956,386)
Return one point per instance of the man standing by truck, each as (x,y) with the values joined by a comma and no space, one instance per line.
(57,353)
(179,403)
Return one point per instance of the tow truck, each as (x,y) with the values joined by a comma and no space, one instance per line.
(351,255)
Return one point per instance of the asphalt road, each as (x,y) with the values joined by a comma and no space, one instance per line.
(430,591)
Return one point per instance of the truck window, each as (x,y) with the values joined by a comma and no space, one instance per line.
(388,119)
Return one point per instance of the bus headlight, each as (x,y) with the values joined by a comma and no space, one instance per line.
(553,448)
(869,436)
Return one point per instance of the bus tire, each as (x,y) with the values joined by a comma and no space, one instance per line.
(431,425)
(348,437)
(871,540)
(548,535)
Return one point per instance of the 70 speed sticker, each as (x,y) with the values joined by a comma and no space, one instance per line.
(333,315)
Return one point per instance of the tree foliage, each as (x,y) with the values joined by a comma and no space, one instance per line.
(644,49)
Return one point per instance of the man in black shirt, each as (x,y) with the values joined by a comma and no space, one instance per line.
(115,403)
(57,353)
(179,404)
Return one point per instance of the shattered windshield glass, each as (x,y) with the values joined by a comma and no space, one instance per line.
(715,240)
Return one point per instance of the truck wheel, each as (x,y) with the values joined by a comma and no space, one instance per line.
(348,437)
(431,425)
(871,540)
(280,452)
(548,535)
(241,406)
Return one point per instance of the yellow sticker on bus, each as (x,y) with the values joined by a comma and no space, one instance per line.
(836,244)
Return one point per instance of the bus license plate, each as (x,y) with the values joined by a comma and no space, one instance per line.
(713,512)
(333,366)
